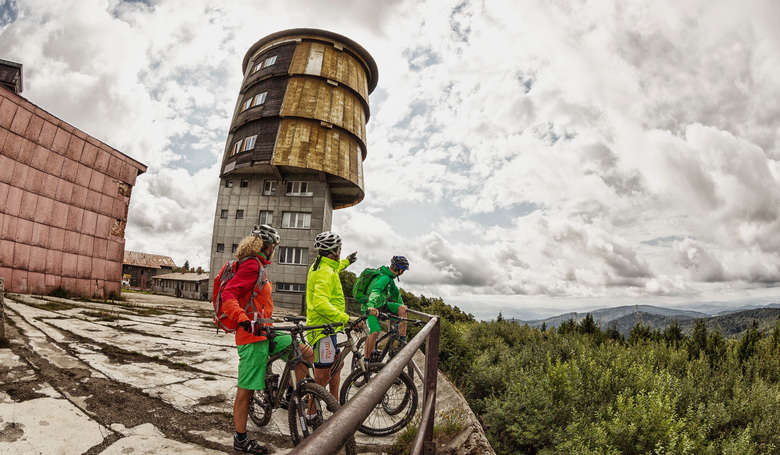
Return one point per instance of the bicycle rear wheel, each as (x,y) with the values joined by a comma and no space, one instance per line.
(393,412)
(313,397)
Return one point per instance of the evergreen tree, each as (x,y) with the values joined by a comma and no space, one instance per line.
(673,335)
(588,325)
(186,266)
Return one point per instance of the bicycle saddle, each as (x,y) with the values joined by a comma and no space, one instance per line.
(294,318)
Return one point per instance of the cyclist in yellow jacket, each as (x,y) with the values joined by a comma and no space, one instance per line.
(325,304)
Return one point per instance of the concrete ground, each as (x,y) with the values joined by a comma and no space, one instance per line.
(146,375)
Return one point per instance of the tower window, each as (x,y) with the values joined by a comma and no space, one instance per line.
(228,184)
(270,61)
(223,214)
(296,220)
(236,148)
(249,143)
(233,248)
(293,255)
(244,183)
(266,217)
(290,287)
(220,247)
(256,100)
(269,187)
(239,214)
(298,189)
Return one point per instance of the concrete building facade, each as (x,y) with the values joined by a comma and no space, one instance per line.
(64,197)
(295,148)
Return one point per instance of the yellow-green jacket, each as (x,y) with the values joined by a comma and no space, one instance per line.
(324,297)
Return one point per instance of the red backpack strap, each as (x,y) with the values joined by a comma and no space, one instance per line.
(262,279)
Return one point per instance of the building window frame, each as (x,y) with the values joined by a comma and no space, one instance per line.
(266,217)
(220,247)
(296,220)
(249,143)
(269,187)
(239,214)
(244,184)
(228,183)
(298,188)
(291,287)
(223,214)
(293,255)
(233,247)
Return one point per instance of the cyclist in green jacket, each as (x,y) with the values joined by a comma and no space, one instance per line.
(383,295)
(325,304)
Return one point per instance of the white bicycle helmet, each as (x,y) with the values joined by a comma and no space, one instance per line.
(327,241)
(267,234)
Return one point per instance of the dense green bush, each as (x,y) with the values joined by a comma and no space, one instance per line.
(582,390)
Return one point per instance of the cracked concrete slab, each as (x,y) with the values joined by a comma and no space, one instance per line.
(47,425)
(13,368)
(146,439)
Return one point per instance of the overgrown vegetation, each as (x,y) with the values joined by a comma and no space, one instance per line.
(582,390)
(447,425)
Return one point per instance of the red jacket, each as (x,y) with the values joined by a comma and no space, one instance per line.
(237,293)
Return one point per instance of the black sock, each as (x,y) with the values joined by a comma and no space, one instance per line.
(240,436)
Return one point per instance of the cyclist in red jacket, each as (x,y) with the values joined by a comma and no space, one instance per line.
(254,320)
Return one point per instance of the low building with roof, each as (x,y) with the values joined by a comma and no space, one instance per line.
(141,267)
(188,285)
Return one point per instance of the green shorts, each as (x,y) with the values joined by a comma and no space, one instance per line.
(373,322)
(253,360)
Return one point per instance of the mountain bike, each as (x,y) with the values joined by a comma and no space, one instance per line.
(398,405)
(299,399)
(390,343)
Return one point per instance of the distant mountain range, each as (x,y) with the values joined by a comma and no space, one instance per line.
(623,318)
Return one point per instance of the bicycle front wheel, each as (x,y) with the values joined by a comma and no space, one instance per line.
(393,412)
(311,405)
(260,408)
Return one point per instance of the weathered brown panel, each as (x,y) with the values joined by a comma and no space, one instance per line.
(304,143)
(316,99)
(300,58)
(344,68)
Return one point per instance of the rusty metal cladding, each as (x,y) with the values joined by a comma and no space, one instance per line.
(332,434)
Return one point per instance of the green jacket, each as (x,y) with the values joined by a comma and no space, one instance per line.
(324,297)
(382,289)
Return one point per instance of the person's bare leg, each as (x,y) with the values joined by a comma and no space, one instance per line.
(369,347)
(402,325)
(302,370)
(335,381)
(241,409)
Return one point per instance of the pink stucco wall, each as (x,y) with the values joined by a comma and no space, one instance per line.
(63,204)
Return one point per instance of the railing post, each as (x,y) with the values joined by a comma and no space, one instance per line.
(431,372)
(2,309)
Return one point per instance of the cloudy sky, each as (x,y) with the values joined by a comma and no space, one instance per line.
(527,156)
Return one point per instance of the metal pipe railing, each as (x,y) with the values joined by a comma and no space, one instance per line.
(329,437)
(427,415)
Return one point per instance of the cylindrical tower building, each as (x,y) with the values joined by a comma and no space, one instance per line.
(295,148)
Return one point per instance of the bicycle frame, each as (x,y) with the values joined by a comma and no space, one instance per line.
(351,345)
